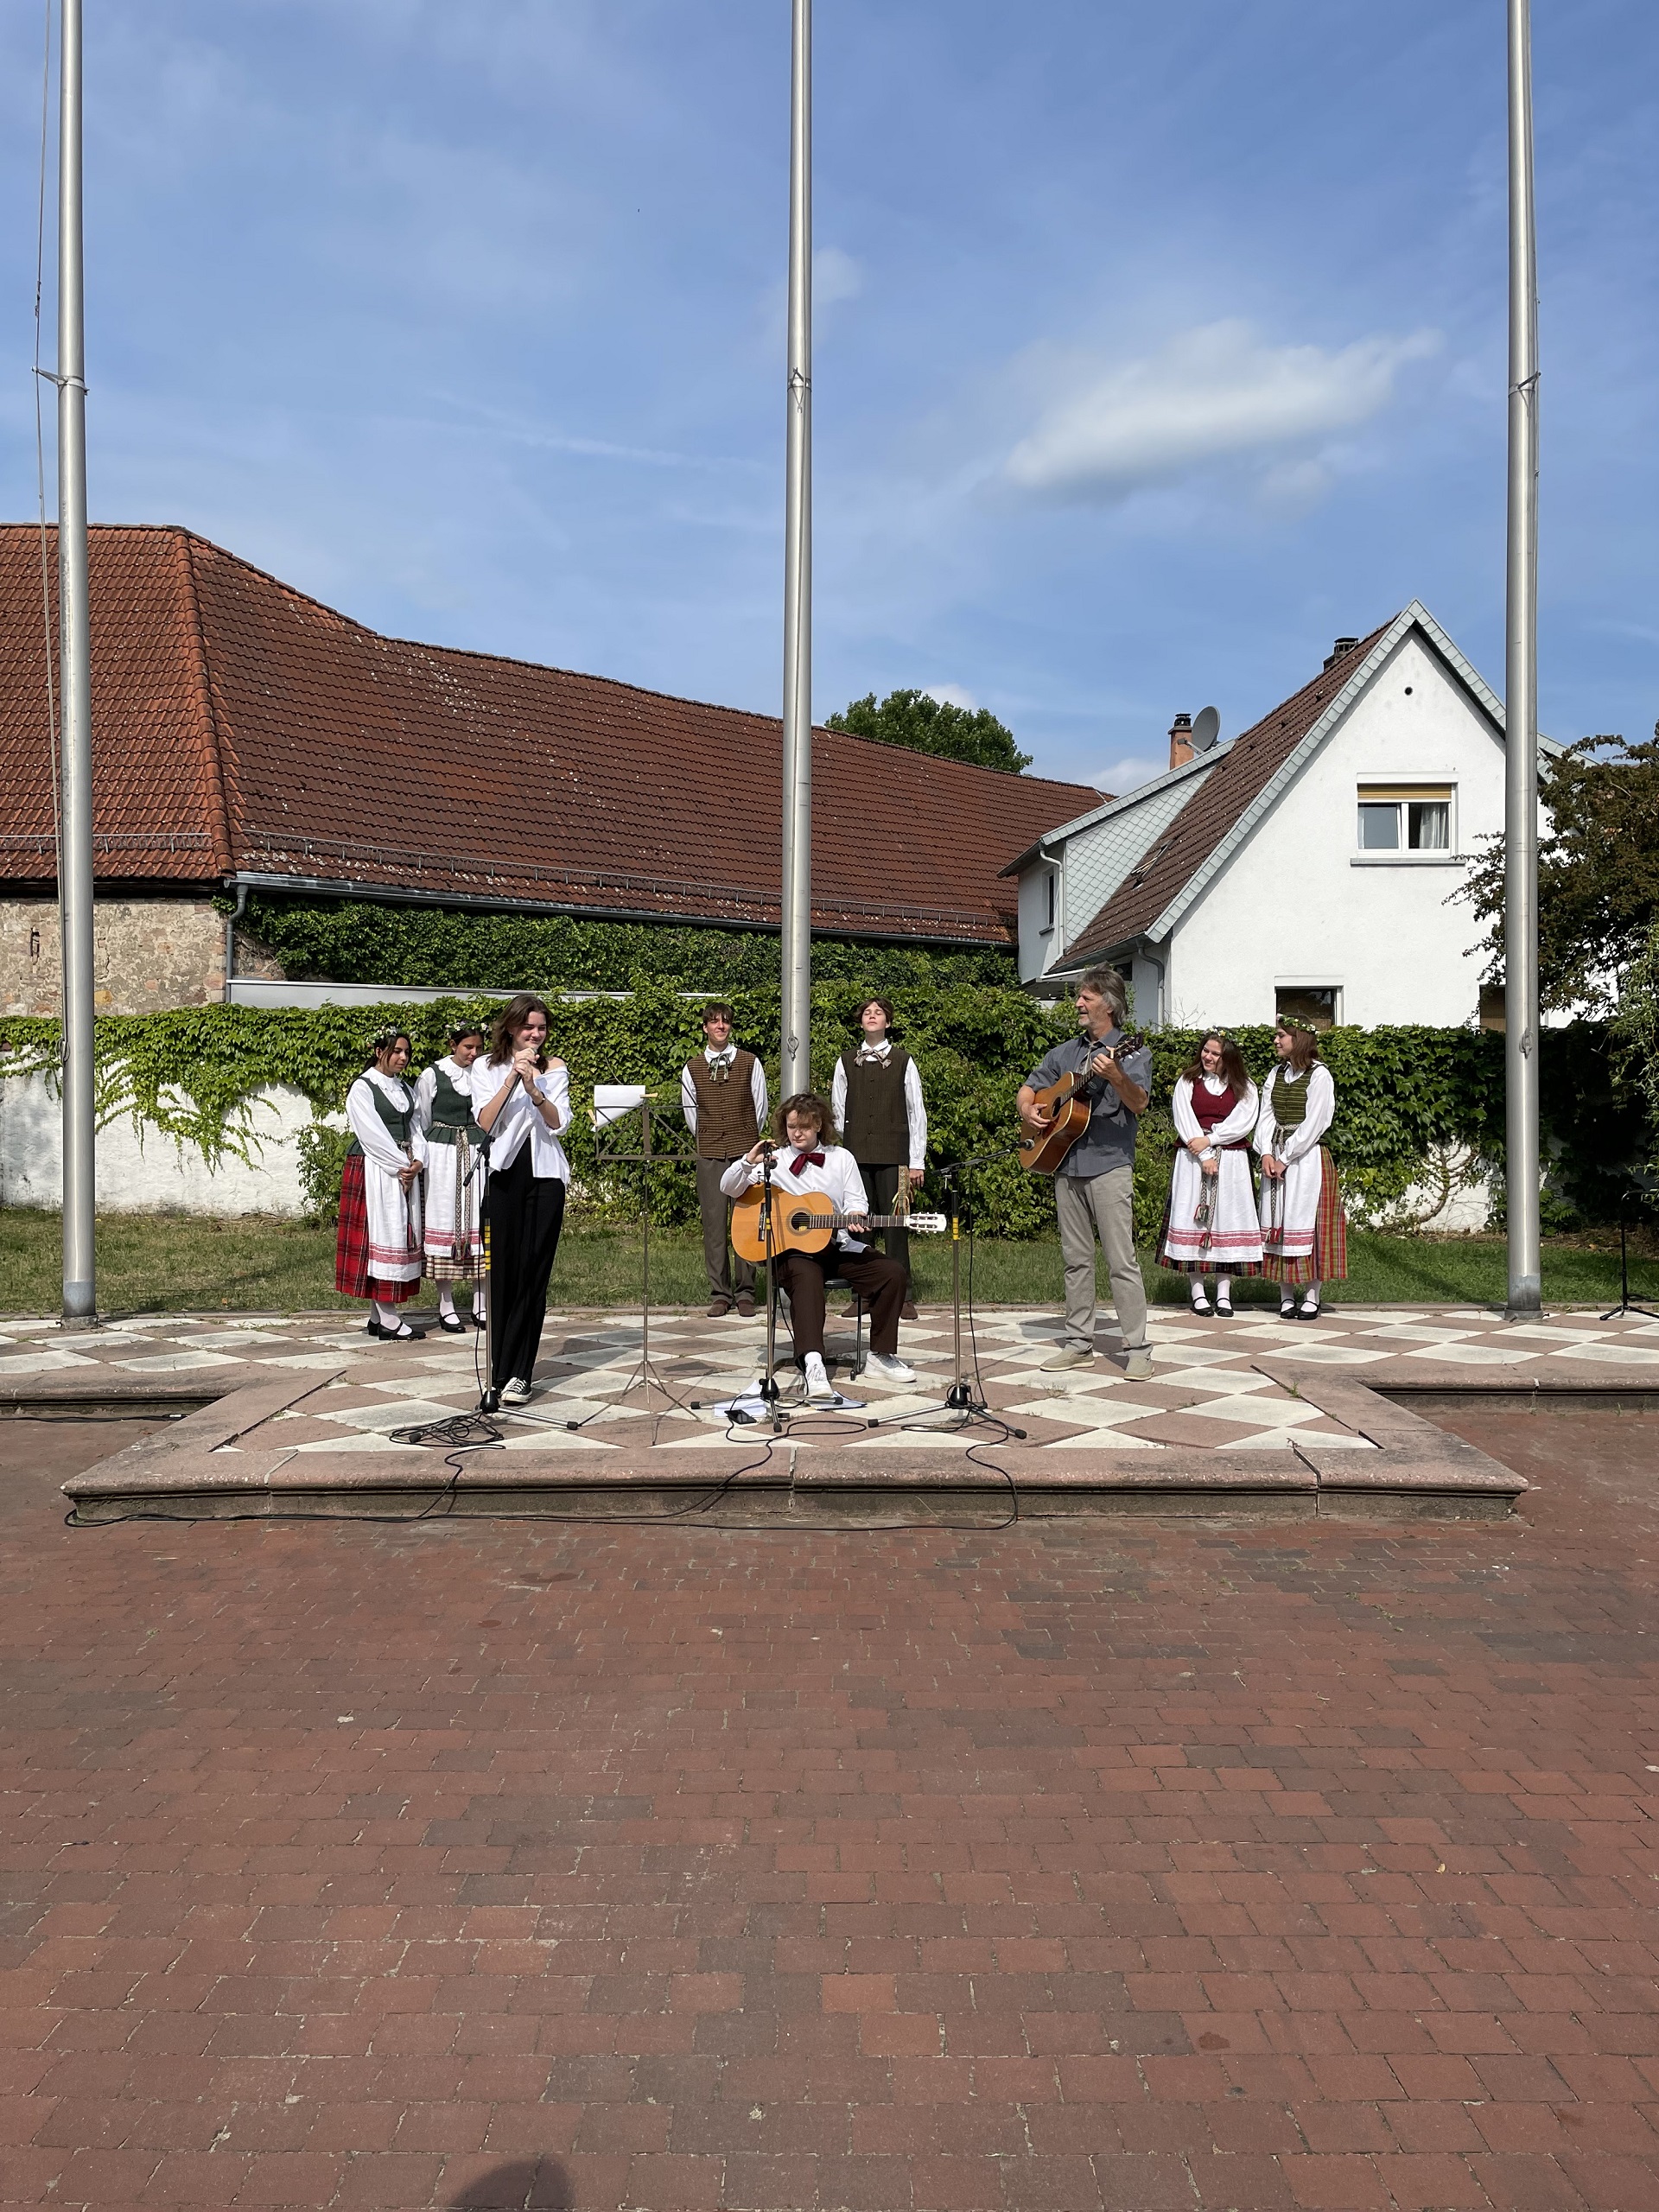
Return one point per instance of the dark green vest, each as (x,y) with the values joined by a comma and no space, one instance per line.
(1288,1099)
(397,1118)
(452,1112)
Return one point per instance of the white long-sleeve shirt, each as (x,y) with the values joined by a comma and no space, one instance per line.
(519,1122)
(838,1180)
(689,1091)
(371,1132)
(1239,1123)
(915,1111)
(1321,1109)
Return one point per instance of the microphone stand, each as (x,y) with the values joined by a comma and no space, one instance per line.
(961,1398)
(767,1390)
(645,1371)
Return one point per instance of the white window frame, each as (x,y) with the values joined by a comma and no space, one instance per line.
(1402,855)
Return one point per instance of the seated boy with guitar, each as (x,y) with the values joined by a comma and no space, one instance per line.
(805,1162)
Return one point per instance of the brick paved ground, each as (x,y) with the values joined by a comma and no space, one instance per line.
(1133,1866)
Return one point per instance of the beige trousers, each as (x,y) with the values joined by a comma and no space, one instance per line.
(1103,1205)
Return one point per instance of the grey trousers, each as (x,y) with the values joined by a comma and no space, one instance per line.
(1102,1203)
(726,1270)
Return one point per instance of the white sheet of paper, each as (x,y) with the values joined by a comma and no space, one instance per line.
(612,1100)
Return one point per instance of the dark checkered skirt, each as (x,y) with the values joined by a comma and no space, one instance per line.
(1329,1260)
(352,1276)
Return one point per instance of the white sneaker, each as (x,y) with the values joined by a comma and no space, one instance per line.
(889,1367)
(820,1390)
(516,1392)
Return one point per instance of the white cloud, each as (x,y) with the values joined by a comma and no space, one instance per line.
(1217,393)
(1128,773)
(953,695)
(835,276)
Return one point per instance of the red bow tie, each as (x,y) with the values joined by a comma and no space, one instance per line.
(806,1160)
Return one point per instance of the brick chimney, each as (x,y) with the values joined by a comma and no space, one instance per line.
(1180,741)
(1343,645)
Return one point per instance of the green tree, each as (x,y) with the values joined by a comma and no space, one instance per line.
(1598,872)
(928,725)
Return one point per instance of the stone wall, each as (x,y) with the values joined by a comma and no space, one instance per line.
(141,1170)
(148,954)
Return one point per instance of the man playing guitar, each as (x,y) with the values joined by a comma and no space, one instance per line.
(1094,1186)
(803,1161)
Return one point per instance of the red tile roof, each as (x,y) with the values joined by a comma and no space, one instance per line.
(1238,778)
(241,727)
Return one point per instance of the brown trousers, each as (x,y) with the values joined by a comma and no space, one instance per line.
(880,1283)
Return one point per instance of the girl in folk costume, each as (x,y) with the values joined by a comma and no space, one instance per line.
(1304,1235)
(446,1138)
(876,1098)
(378,1247)
(1211,1227)
(521,1099)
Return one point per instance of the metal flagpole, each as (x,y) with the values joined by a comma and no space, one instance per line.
(75,850)
(797,1064)
(1521,697)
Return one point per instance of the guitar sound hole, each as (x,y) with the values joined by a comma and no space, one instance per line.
(800,1221)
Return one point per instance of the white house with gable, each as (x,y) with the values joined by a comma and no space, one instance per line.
(1306,868)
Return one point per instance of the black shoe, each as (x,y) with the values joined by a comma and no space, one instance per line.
(1202,1307)
(1307,1312)
(452,1325)
(403,1334)
(1224,1308)
(1287,1312)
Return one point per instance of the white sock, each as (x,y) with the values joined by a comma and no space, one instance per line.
(1310,1296)
(815,1363)
(387,1316)
(1224,1287)
(1197,1290)
(446,1299)
(478,1302)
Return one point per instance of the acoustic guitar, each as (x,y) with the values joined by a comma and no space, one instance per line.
(805,1221)
(1066,1107)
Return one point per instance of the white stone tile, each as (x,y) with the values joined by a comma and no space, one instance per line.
(220,1338)
(1477,1353)
(173,1363)
(1331,1355)
(46,1361)
(412,1412)
(1614,1354)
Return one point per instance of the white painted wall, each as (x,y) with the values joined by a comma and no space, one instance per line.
(1296,904)
(140,1171)
(1094,860)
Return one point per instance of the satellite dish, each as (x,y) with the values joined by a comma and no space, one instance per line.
(1206,728)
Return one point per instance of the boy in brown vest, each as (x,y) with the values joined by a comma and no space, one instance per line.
(723,1096)
(877,1101)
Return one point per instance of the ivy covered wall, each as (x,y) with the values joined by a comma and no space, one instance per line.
(348,940)
(1409,1100)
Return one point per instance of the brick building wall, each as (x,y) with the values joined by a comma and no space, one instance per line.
(147,953)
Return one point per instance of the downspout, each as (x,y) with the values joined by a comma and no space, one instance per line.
(230,921)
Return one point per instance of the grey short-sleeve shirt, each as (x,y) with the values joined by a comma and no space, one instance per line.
(1109,1140)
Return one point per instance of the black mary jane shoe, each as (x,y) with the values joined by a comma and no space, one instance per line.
(452,1325)
(1303,1315)
(478,1320)
(1202,1307)
(403,1334)
(1223,1309)
(1287,1312)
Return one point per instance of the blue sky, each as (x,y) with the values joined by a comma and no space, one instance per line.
(1156,346)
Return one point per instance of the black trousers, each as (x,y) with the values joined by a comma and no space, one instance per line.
(882,1188)
(526,1214)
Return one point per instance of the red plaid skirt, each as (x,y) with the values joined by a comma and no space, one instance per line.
(1329,1262)
(352,1276)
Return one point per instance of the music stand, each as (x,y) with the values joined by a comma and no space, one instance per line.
(614,1111)
(1624,1306)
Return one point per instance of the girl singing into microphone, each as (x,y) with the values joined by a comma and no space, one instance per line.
(521,1100)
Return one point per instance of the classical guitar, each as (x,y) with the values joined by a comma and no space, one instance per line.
(806,1222)
(1065,1107)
